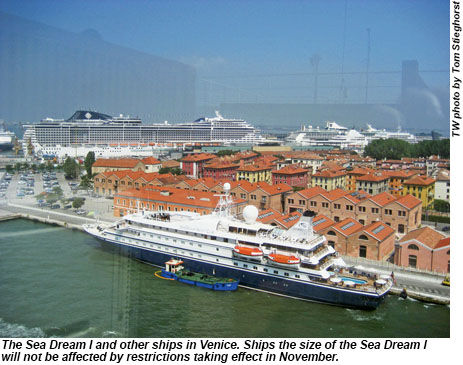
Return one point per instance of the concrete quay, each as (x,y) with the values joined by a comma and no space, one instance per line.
(420,285)
(424,286)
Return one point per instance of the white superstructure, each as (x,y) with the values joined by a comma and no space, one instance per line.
(335,135)
(118,136)
(297,263)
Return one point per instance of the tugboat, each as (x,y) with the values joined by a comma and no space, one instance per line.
(175,271)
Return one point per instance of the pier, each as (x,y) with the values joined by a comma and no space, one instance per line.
(425,287)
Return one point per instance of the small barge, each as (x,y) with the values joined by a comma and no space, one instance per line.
(175,271)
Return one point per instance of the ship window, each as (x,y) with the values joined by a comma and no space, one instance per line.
(235,263)
(254,267)
(266,270)
(286,274)
(217,248)
(245,265)
(275,271)
(297,276)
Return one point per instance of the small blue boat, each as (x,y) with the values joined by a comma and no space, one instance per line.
(175,271)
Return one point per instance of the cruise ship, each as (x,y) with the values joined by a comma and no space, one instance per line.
(296,263)
(109,136)
(373,133)
(333,135)
(6,138)
(337,136)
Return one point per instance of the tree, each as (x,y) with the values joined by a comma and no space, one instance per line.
(172,170)
(77,203)
(225,153)
(441,206)
(71,168)
(9,169)
(89,161)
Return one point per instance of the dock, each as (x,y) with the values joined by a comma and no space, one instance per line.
(419,286)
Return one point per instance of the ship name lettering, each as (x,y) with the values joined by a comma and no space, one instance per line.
(67,345)
(218,345)
(402,345)
(370,345)
(31,344)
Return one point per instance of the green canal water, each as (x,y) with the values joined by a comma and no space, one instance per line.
(63,283)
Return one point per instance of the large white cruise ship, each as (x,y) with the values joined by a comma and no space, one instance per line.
(6,138)
(335,135)
(109,136)
(296,263)
(373,134)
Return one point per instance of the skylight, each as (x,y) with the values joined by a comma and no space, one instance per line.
(347,225)
(378,229)
(319,221)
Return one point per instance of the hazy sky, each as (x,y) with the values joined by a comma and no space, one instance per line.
(260,36)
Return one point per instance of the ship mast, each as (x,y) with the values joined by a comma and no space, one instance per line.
(225,202)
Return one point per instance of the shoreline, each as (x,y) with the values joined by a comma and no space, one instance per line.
(395,290)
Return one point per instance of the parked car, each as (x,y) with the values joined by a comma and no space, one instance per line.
(446,280)
(446,229)
(55,206)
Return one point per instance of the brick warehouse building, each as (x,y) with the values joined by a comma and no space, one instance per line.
(403,214)
(425,249)
(170,200)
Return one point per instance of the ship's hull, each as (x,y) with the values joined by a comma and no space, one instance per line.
(267,282)
(6,146)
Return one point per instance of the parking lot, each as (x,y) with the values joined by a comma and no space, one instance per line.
(52,192)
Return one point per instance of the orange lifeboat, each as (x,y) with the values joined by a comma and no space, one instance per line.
(284,260)
(249,253)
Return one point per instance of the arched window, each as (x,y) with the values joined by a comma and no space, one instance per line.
(363,237)
(331,233)
(413,247)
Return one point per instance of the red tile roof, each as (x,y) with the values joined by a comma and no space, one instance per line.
(378,230)
(408,201)
(175,196)
(334,194)
(373,177)
(382,199)
(288,220)
(420,180)
(348,226)
(444,242)
(290,170)
(268,215)
(311,192)
(170,163)
(196,157)
(273,189)
(150,161)
(426,235)
(400,173)
(329,173)
(255,167)
(321,222)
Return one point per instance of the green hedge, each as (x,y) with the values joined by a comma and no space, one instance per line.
(435,218)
